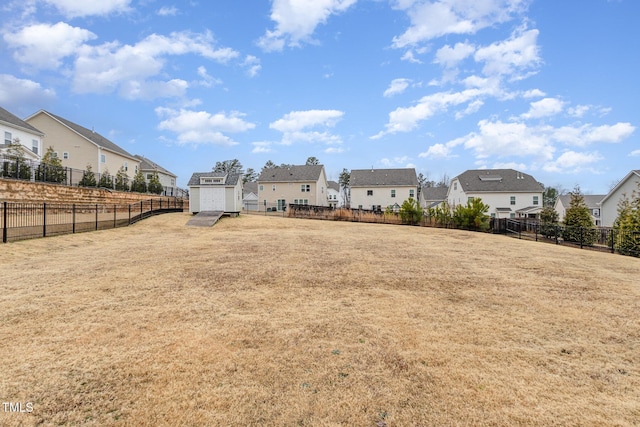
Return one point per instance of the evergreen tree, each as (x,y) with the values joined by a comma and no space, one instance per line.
(472,216)
(155,186)
(312,161)
(18,166)
(626,227)
(250,176)
(548,221)
(51,169)
(106,180)
(122,180)
(88,179)
(411,211)
(578,222)
(343,180)
(139,185)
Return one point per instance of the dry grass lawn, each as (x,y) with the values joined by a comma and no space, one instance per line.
(283,322)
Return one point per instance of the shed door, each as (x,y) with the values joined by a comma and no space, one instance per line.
(212,199)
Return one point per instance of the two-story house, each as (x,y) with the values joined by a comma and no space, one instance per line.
(333,194)
(77,147)
(167,179)
(592,201)
(624,189)
(509,193)
(379,189)
(304,184)
(18,132)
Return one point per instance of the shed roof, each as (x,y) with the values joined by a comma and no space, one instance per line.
(301,173)
(231,179)
(498,180)
(383,177)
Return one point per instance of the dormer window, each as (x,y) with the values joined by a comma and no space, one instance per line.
(212,180)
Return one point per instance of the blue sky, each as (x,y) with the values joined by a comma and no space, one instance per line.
(543,86)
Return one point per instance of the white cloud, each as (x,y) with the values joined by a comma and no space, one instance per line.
(296,21)
(572,162)
(133,89)
(588,134)
(432,19)
(448,56)
(511,57)
(410,57)
(15,92)
(299,120)
(544,108)
(252,64)
(402,161)
(437,151)
(261,147)
(396,87)
(44,46)
(75,8)
(334,150)
(510,165)
(533,93)
(207,80)
(167,11)
(105,68)
(473,107)
(634,153)
(202,127)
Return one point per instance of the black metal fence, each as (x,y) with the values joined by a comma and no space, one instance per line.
(21,221)
(28,170)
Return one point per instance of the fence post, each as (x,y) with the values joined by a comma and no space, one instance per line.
(129,214)
(613,239)
(4,223)
(151,208)
(73,218)
(115,212)
(581,236)
(96,216)
(140,209)
(44,220)
(555,228)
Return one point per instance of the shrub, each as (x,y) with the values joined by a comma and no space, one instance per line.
(122,180)
(411,211)
(155,186)
(106,180)
(548,221)
(88,178)
(578,223)
(51,169)
(472,216)
(627,226)
(139,185)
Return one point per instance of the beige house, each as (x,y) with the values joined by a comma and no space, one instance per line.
(279,186)
(167,179)
(77,146)
(379,189)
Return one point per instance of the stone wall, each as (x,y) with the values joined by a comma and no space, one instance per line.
(37,192)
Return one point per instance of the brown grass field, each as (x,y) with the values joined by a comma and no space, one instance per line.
(268,321)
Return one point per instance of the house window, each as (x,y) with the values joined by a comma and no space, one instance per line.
(596,212)
(369,192)
(7,138)
(513,200)
(535,200)
(455,185)
(126,166)
(55,155)
(273,187)
(393,193)
(411,193)
(136,168)
(469,199)
(305,188)
(512,215)
(65,155)
(359,206)
(149,176)
(261,188)
(281,204)
(34,145)
(103,159)
(173,182)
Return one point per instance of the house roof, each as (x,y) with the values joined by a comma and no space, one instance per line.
(249,187)
(302,173)
(622,181)
(434,193)
(498,180)
(333,185)
(383,177)
(90,135)
(232,178)
(15,121)
(592,201)
(148,165)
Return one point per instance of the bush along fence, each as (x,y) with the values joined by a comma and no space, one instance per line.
(27,170)
(21,221)
(595,238)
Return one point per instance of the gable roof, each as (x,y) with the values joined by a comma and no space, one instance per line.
(497,180)
(621,183)
(302,173)
(333,185)
(15,121)
(232,178)
(89,135)
(383,177)
(591,200)
(250,187)
(434,193)
(148,165)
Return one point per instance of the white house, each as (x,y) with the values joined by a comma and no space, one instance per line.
(592,202)
(167,179)
(509,193)
(378,189)
(303,184)
(215,191)
(334,195)
(16,130)
(625,188)
(250,196)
